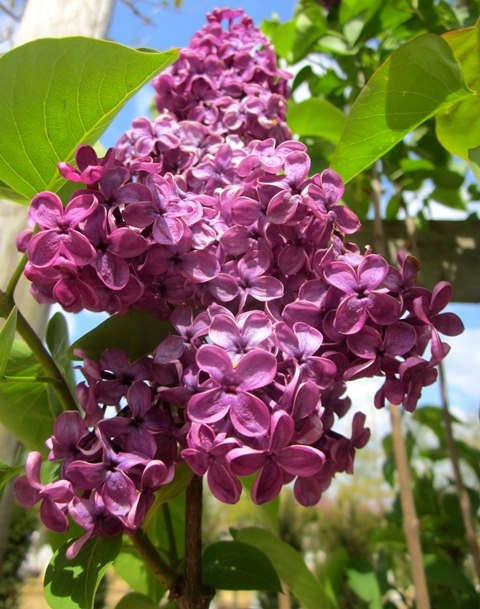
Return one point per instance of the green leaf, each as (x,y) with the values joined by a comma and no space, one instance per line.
(135,600)
(137,332)
(233,565)
(7,336)
(12,195)
(72,584)
(474,161)
(131,568)
(447,574)
(289,565)
(416,82)
(316,117)
(24,406)
(183,476)
(58,343)
(458,128)
(465,44)
(58,93)
(363,582)
(7,473)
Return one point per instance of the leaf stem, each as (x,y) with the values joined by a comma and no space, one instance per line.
(172,544)
(150,556)
(40,352)
(15,278)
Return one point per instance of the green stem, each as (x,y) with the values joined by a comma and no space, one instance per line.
(150,556)
(40,352)
(172,544)
(15,278)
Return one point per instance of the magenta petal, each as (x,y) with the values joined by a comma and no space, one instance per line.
(332,186)
(79,208)
(384,309)
(46,209)
(268,484)
(372,271)
(441,296)
(79,249)
(126,243)
(26,495)
(282,207)
(249,415)
(266,288)
(112,270)
(245,461)
(118,493)
(246,211)
(215,361)
(399,338)
(44,248)
(255,369)
(449,324)
(342,276)
(209,406)
(301,460)
(168,231)
(52,516)
(366,343)
(223,485)
(297,166)
(351,315)
(86,475)
(200,266)
(281,432)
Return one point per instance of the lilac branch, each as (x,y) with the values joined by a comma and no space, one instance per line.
(152,559)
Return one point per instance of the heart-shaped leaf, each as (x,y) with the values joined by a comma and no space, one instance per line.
(58,93)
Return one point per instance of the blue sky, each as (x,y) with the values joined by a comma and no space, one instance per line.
(174,27)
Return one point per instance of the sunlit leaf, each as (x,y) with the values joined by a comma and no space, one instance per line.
(58,343)
(474,161)
(72,584)
(417,81)
(131,568)
(183,477)
(364,583)
(7,473)
(458,127)
(7,336)
(57,93)
(137,332)
(316,117)
(289,565)
(233,565)
(135,600)
(24,407)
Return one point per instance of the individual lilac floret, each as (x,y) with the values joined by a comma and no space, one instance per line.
(363,298)
(53,497)
(278,461)
(230,389)
(59,236)
(207,454)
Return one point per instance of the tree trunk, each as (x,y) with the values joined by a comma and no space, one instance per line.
(57,18)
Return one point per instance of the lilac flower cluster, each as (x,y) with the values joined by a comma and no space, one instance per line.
(272,310)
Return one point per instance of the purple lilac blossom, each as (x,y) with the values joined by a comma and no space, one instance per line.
(207,217)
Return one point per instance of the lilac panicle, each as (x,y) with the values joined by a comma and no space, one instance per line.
(207,217)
